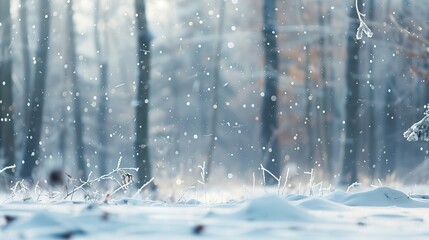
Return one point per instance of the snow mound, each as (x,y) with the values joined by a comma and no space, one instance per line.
(44,225)
(378,197)
(338,196)
(271,208)
(190,202)
(295,197)
(321,205)
(137,202)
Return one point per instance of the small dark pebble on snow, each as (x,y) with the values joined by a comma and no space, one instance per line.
(295,228)
(105,216)
(91,207)
(69,234)
(361,224)
(9,218)
(198,229)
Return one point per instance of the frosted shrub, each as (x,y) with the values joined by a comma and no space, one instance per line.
(363,28)
(420,129)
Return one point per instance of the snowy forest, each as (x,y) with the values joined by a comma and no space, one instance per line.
(227,119)
(229,88)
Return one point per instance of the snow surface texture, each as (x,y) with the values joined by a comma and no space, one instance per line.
(381,213)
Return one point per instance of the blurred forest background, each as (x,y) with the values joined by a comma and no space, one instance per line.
(341,104)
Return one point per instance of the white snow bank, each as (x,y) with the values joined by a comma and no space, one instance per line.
(137,202)
(321,205)
(295,197)
(270,208)
(43,225)
(378,197)
(373,216)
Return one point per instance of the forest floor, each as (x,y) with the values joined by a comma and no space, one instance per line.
(378,213)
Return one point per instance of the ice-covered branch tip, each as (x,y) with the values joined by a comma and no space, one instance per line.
(7,168)
(363,28)
(419,130)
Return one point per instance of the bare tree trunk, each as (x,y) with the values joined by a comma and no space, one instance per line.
(372,143)
(333,114)
(327,89)
(25,58)
(77,112)
(387,162)
(308,110)
(349,169)
(62,143)
(32,148)
(175,119)
(102,96)
(141,144)
(7,116)
(269,138)
(215,103)
(308,121)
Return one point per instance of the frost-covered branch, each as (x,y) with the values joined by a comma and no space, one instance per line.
(19,189)
(203,178)
(285,183)
(141,188)
(126,179)
(311,181)
(7,168)
(203,173)
(363,28)
(353,185)
(278,179)
(420,129)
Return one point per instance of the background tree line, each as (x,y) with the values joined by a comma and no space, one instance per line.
(168,85)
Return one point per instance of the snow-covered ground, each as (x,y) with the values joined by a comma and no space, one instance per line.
(380,213)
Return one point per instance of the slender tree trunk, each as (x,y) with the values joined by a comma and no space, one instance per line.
(308,110)
(215,103)
(349,170)
(32,154)
(103,105)
(372,143)
(141,144)
(327,108)
(202,80)
(77,112)
(387,163)
(334,118)
(308,121)
(174,118)
(102,118)
(25,58)
(7,116)
(62,143)
(270,142)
